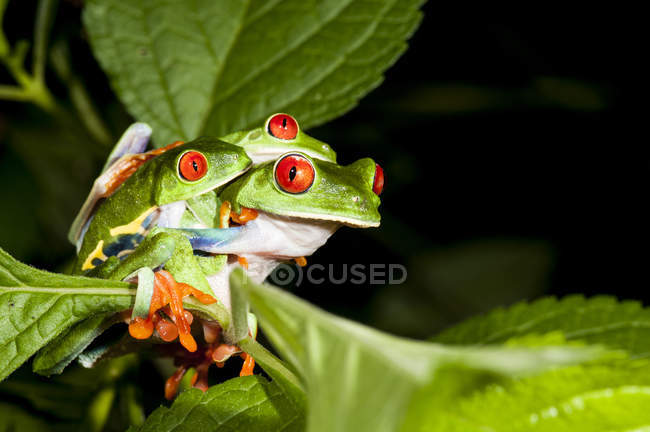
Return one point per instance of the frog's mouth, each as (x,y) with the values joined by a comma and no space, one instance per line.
(344,220)
(266,154)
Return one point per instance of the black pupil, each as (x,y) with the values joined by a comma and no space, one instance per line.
(195,166)
(292,173)
(284,123)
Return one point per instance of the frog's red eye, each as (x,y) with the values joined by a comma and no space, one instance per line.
(192,166)
(283,126)
(378,185)
(294,173)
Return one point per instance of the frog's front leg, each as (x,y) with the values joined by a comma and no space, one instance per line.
(184,270)
(178,273)
(155,250)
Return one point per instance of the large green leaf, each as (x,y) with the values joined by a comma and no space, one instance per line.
(36,306)
(599,320)
(357,378)
(68,345)
(240,404)
(591,398)
(200,66)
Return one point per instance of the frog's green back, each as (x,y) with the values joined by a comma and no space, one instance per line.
(122,219)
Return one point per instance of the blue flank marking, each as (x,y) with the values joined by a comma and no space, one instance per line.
(208,238)
(127,241)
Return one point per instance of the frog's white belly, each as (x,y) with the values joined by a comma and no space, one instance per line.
(267,241)
(170,214)
(278,237)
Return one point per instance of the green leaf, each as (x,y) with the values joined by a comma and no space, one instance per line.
(196,67)
(36,306)
(66,347)
(359,379)
(598,320)
(278,371)
(598,397)
(247,404)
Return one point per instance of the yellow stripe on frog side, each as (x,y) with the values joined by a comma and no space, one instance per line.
(96,253)
(133,227)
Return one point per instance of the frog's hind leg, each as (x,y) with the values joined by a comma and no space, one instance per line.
(213,352)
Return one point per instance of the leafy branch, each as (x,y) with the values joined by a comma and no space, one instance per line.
(36,306)
(30,85)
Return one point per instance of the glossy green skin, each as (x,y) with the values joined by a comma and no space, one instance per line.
(157,183)
(262,146)
(339,193)
(152,186)
(167,248)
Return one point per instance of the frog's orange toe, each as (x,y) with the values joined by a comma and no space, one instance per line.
(166,330)
(175,293)
(204,298)
(141,328)
(223,352)
(249,365)
(187,340)
(245,215)
(171,385)
(200,378)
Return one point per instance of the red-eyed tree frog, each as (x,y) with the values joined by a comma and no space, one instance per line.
(179,179)
(279,134)
(287,209)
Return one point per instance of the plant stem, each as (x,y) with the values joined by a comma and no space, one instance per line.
(44,20)
(13,93)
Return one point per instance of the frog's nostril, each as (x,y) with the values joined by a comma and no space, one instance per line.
(378,185)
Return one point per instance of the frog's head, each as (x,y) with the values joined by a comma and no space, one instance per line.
(279,134)
(197,167)
(299,186)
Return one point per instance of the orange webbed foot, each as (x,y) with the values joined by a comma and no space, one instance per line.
(245,215)
(213,352)
(168,292)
